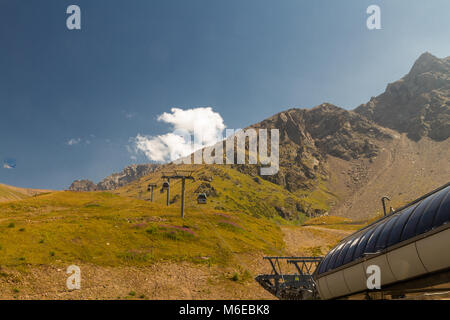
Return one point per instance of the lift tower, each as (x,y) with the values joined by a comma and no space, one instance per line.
(166,186)
(183,175)
(150,187)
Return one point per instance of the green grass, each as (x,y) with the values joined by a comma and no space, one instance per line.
(121,228)
(237,192)
(319,197)
(107,229)
(333,222)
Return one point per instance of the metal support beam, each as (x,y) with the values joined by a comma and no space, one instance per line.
(168,193)
(298,286)
(183,180)
(151,187)
(383,201)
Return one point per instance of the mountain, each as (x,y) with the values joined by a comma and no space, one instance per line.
(418,104)
(334,161)
(417,159)
(83,185)
(300,188)
(341,162)
(115,180)
(127,175)
(309,136)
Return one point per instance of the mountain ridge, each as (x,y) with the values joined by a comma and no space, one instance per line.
(418,104)
(128,174)
(329,154)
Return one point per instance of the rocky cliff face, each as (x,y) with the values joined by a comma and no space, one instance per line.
(309,136)
(83,185)
(418,104)
(116,180)
(127,175)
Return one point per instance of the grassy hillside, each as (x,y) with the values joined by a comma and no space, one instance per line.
(9,193)
(110,230)
(131,248)
(231,191)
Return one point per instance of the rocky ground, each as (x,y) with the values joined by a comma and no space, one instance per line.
(404,170)
(158,281)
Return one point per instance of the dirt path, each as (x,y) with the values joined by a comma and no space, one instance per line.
(336,232)
(311,240)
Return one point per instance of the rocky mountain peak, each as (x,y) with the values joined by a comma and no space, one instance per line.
(418,104)
(429,63)
(115,180)
(309,136)
(83,185)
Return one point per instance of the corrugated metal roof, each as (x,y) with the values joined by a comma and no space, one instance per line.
(420,216)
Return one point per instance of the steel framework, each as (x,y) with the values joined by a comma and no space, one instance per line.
(150,187)
(183,176)
(297,286)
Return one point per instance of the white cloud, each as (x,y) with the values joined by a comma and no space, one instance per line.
(7,166)
(203,124)
(201,121)
(73,141)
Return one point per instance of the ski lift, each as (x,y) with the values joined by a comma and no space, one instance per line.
(165,186)
(201,198)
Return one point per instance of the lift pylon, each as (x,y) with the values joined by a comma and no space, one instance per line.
(183,175)
(150,187)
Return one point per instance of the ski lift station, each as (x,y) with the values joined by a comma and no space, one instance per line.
(411,247)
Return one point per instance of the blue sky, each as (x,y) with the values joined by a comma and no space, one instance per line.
(133,60)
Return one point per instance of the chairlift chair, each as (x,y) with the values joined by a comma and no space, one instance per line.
(165,186)
(201,198)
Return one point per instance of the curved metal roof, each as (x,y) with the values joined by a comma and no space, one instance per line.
(425,214)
